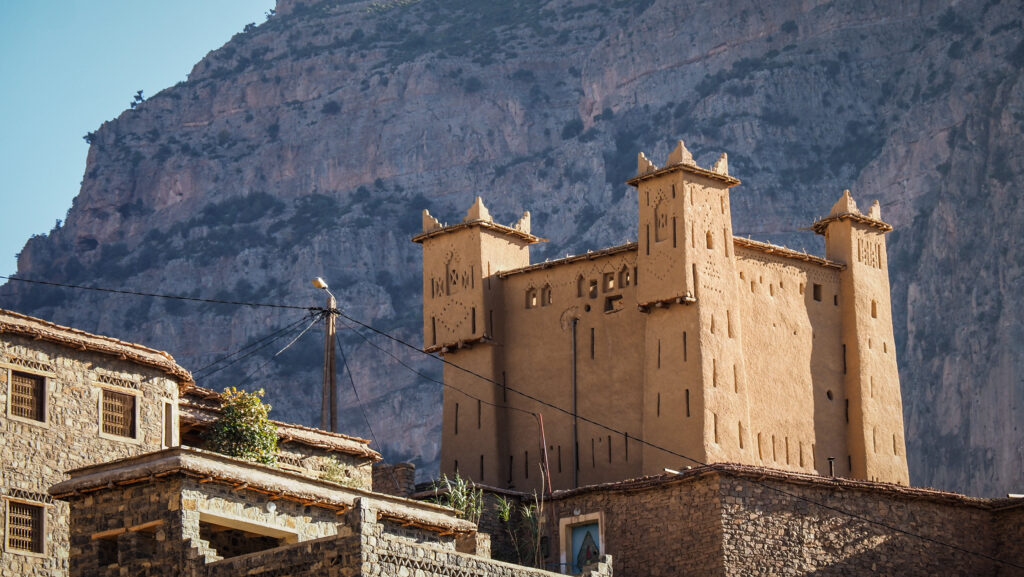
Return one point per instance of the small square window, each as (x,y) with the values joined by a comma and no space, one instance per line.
(118,414)
(28,396)
(25,527)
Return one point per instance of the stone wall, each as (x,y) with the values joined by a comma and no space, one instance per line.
(152,526)
(36,454)
(327,557)
(671,530)
(710,523)
(397,479)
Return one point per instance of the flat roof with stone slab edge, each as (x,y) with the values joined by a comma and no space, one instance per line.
(244,475)
(31,327)
(199,406)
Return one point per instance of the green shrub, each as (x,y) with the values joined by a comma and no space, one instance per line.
(244,429)
(460,494)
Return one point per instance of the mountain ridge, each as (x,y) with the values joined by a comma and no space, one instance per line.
(308,145)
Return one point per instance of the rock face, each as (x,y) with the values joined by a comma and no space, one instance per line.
(308,145)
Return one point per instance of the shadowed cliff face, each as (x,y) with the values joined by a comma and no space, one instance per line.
(307,147)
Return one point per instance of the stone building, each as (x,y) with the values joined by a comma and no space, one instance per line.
(70,399)
(187,512)
(304,450)
(744,520)
(718,348)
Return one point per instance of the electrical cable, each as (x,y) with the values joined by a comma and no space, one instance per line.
(157,295)
(362,409)
(280,333)
(520,393)
(250,374)
(432,379)
(682,456)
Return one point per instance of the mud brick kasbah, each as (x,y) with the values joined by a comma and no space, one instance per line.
(773,366)
(719,348)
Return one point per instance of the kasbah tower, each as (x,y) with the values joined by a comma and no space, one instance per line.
(719,348)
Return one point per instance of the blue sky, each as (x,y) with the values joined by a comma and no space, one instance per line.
(67,67)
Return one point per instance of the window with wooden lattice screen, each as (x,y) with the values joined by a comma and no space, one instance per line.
(24,527)
(118,414)
(28,396)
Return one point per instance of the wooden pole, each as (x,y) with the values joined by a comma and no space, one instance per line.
(329,395)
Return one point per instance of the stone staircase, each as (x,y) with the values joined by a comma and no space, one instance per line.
(201,548)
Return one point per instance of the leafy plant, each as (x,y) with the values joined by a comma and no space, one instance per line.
(244,429)
(460,494)
(524,532)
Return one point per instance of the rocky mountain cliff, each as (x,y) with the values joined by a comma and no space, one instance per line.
(306,146)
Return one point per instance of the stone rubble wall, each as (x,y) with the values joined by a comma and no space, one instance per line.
(673,530)
(327,557)
(35,455)
(725,524)
(770,533)
(398,479)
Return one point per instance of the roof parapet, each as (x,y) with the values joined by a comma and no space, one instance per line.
(846,209)
(682,159)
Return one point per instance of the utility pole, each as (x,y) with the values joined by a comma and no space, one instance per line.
(329,394)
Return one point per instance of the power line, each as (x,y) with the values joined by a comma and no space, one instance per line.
(158,295)
(250,374)
(505,387)
(362,409)
(682,456)
(432,379)
(269,339)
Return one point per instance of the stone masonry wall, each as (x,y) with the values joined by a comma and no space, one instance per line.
(668,530)
(730,524)
(1008,527)
(398,479)
(143,528)
(767,532)
(35,454)
(327,557)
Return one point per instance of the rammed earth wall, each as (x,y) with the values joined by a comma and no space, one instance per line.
(35,454)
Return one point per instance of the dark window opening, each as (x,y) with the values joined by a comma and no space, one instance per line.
(591,342)
(608,280)
(687,402)
(613,303)
(684,346)
(816,292)
(456,420)
(579,286)
(835,300)
(433,330)
(106,551)
(472,320)
(874,309)
(593,454)
(657,408)
(526,464)
(593,289)
(229,542)
(609,448)
(481,467)
(479,413)
(545,295)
